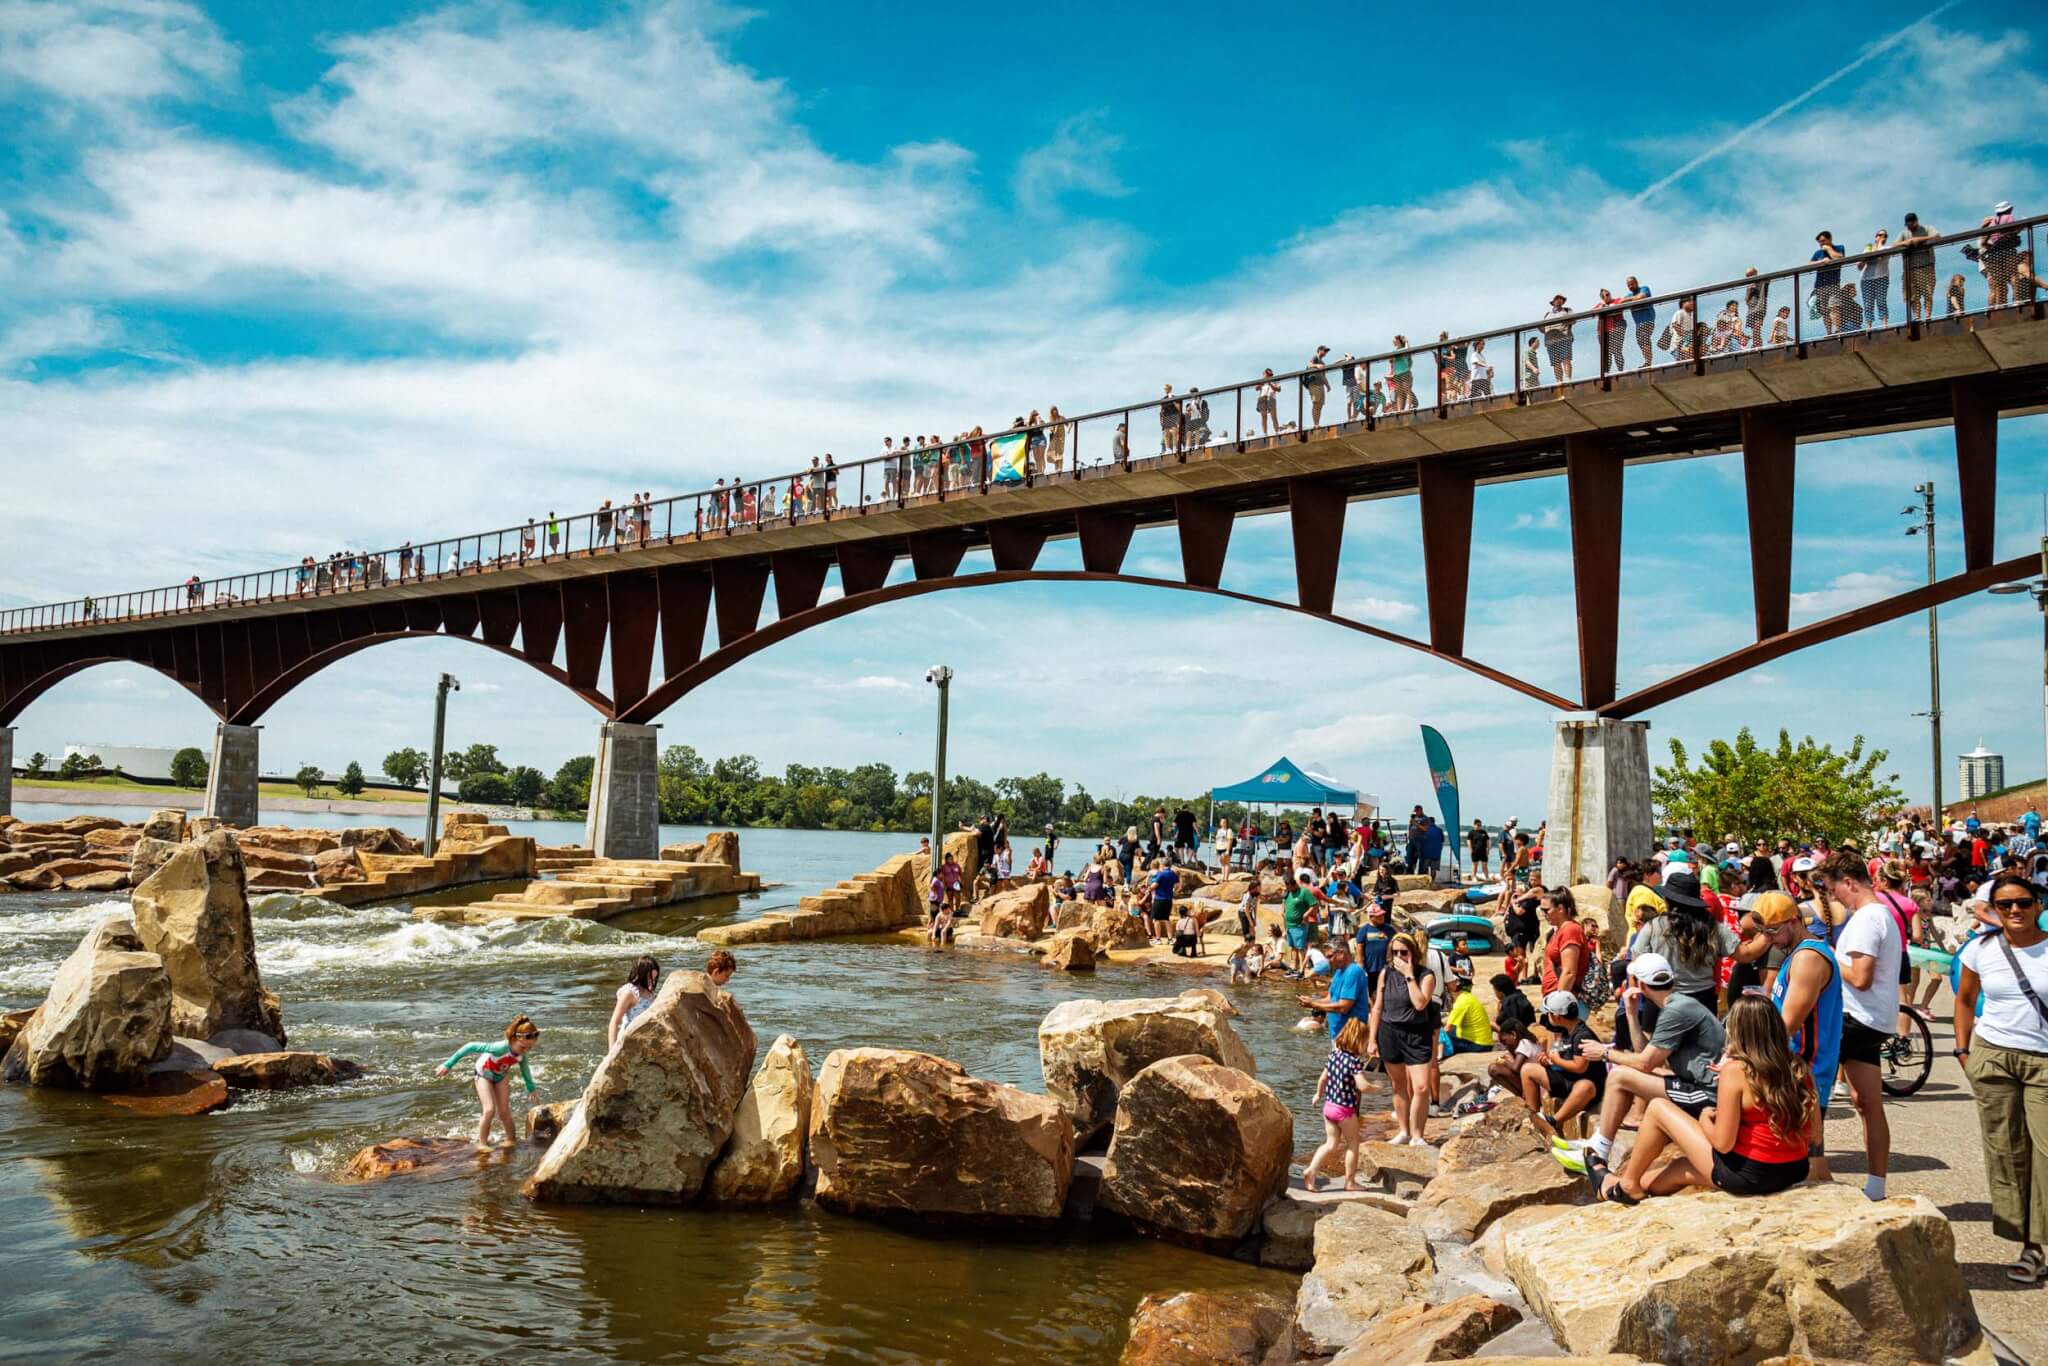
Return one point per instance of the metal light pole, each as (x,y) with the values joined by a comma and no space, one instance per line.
(2039,589)
(941,677)
(447,685)
(1925,528)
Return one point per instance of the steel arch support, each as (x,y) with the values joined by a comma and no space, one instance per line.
(1444,495)
(1593,489)
(1014,546)
(1768,461)
(1976,426)
(738,587)
(1205,525)
(1315,511)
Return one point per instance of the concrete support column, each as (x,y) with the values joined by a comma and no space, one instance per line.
(1599,798)
(6,770)
(625,795)
(231,778)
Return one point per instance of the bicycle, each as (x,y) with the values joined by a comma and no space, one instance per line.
(1907,1057)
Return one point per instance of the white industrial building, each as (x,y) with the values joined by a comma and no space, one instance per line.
(137,761)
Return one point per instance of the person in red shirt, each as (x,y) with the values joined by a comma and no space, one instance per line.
(1566,955)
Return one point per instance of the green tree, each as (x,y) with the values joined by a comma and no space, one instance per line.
(188,767)
(527,784)
(570,790)
(1743,791)
(1034,801)
(486,789)
(76,766)
(405,766)
(308,778)
(37,763)
(351,783)
(475,759)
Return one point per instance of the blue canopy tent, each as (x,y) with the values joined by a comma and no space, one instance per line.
(1286,783)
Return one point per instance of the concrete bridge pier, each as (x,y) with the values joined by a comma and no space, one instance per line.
(1599,798)
(231,777)
(6,770)
(625,795)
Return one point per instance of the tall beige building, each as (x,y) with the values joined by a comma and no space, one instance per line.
(1981,772)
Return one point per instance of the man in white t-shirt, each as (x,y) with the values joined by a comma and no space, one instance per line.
(1870,949)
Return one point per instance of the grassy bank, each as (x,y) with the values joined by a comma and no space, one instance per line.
(88,786)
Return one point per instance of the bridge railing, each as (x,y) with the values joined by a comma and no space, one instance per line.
(1896,284)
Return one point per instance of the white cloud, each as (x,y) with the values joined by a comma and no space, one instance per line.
(103,51)
(1548,518)
(1079,157)
(1845,591)
(1378,611)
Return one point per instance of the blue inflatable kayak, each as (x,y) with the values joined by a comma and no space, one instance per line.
(1478,931)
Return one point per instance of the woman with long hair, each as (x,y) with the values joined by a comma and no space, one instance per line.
(1402,1034)
(1691,937)
(633,998)
(1752,1142)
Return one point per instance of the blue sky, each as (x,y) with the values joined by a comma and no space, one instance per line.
(282,279)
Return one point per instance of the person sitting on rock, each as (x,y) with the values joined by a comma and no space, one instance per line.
(494,1064)
(1185,933)
(1675,1063)
(1572,1080)
(1518,1050)
(1753,1140)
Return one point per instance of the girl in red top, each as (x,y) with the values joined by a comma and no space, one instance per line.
(1752,1141)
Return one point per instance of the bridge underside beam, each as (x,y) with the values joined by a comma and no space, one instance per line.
(1768,461)
(738,587)
(1105,539)
(1013,546)
(685,610)
(634,607)
(1848,623)
(1976,469)
(1315,512)
(1593,490)
(1205,525)
(1444,492)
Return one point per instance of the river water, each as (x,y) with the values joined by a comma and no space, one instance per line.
(227,1236)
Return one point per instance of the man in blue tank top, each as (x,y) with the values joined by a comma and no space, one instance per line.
(1808,994)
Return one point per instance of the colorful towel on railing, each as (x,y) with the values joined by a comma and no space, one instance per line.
(1006,456)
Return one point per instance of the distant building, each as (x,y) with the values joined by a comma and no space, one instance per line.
(1981,772)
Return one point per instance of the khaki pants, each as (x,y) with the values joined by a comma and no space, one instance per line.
(2012,1107)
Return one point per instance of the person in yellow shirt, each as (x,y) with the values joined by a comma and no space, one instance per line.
(1466,1028)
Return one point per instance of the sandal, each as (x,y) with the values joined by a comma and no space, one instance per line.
(2029,1269)
(1614,1194)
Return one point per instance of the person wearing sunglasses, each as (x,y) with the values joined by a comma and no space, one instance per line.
(1402,1035)
(2003,1043)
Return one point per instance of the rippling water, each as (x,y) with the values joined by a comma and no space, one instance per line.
(226,1235)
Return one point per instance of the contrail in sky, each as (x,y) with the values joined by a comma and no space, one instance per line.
(1736,139)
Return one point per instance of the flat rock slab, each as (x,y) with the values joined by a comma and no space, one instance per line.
(1418,1333)
(420,1157)
(282,1071)
(173,1094)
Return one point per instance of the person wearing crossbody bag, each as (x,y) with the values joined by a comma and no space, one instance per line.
(2003,1045)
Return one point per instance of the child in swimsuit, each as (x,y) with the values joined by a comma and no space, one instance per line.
(494,1066)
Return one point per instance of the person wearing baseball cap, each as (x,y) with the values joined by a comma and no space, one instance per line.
(1686,1038)
(1573,1077)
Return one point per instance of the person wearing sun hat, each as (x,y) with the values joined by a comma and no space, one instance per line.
(1557,340)
(1807,992)
(1689,936)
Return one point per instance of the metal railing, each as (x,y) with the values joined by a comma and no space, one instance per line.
(1930,277)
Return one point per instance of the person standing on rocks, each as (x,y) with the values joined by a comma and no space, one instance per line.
(494,1065)
(1402,1035)
(1566,955)
(1347,999)
(1476,846)
(633,998)
(1337,1094)
(1298,914)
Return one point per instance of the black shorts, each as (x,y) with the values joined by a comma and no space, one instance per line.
(1694,1100)
(1861,1043)
(1405,1045)
(1739,1175)
(1562,1082)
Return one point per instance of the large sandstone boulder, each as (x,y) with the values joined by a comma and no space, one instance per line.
(1817,1271)
(1368,1263)
(337,866)
(116,841)
(282,1071)
(106,1019)
(900,1133)
(173,1095)
(11,1025)
(193,912)
(1112,927)
(1070,952)
(1198,1150)
(147,855)
(414,1156)
(287,840)
(1417,1333)
(165,823)
(1072,915)
(659,1107)
(1088,1050)
(1019,913)
(763,1162)
(723,846)
(1205,1328)
(83,825)
(376,839)
(1457,1206)
(1505,1132)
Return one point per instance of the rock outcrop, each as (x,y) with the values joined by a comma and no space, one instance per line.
(1497,1164)
(1070,952)
(544,1122)
(1368,1263)
(1019,913)
(1111,927)
(1418,1333)
(1596,902)
(659,1107)
(283,1071)
(193,912)
(895,1132)
(165,823)
(409,1156)
(763,1161)
(106,1019)
(173,1095)
(1197,1150)
(1817,1271)
(1088,1050)
(1205,1328)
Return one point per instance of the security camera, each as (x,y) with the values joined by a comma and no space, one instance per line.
(938,674)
